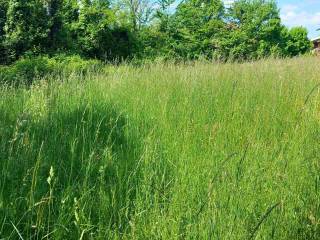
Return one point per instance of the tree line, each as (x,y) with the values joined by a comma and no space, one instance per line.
(147,29)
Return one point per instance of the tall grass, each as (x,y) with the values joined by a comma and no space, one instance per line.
(193,151)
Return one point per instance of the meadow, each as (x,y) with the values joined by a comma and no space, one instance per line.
(199,150)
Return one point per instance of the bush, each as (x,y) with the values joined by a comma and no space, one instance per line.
(26,70)
(75,64)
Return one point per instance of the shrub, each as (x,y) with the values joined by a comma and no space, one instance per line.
(74,64)
(26,70)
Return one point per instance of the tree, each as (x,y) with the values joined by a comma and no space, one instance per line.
(69,13)
(197,24)
(98,35)
(26,27)
(3,16)
(155,40)
(298,42)
(3,13)
(93,28)
(163,13)
(135,13)
(55,23)
(247,29)
(254,30)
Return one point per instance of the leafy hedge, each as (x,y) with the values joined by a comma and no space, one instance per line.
(26,70)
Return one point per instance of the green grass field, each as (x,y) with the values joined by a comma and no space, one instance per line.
(164,151)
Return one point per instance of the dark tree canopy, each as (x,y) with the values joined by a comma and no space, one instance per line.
(147,29)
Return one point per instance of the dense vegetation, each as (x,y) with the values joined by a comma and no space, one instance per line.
(181,137)
(190,151)
(119,30)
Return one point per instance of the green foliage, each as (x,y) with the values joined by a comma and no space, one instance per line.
(98,35)
(3,18)
(248,29)
(94,29)
(298,42)
(56,34)
(142,29)
(26,70)
(197,24)
(152,43)
(26,27)
(253,31)
(74,64)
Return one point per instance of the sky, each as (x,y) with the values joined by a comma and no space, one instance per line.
(299,13)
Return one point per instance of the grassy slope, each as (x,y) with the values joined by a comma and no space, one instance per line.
(165,152)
